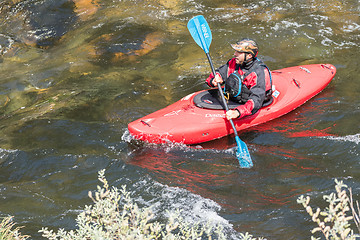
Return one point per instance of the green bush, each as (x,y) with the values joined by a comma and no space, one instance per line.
(114,215)
(333,222)
(8,232)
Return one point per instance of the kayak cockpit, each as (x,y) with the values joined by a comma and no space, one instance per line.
(210,99)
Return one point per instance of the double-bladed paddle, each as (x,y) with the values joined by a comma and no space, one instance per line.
(201,33)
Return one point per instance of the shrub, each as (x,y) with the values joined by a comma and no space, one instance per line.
(114,215)
(8,232)
(333,222)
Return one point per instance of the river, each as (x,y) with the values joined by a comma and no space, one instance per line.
(74,73)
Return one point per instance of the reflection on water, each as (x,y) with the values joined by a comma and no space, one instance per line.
(74,73)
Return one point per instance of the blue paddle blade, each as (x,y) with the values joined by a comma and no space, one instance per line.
(243,154)
(200,31)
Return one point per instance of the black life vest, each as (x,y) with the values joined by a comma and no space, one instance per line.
(235,89)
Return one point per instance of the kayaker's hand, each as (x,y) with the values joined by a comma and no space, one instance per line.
(217,79)
(232,114)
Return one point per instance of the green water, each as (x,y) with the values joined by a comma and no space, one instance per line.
(75,73)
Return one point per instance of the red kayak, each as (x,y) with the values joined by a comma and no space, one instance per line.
(200,116)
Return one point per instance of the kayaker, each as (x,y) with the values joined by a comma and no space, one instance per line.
(246,79)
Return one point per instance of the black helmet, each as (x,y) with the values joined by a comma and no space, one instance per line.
(246,45)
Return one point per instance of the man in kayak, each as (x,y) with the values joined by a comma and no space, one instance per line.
(247,80)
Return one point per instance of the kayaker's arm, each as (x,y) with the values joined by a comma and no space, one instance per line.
(217,79)
(231,114)
(222,72)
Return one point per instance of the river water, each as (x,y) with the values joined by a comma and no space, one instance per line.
(73,74)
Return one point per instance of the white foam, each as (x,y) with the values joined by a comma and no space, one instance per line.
(350,138)
(4,153)
(350,27)
(194,208)
(4,48)
(127,137)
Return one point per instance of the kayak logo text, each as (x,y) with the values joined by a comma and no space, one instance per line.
(172,113)
(206,34)
(208,115)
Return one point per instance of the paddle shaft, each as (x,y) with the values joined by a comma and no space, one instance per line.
(201,33)
(222,95)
